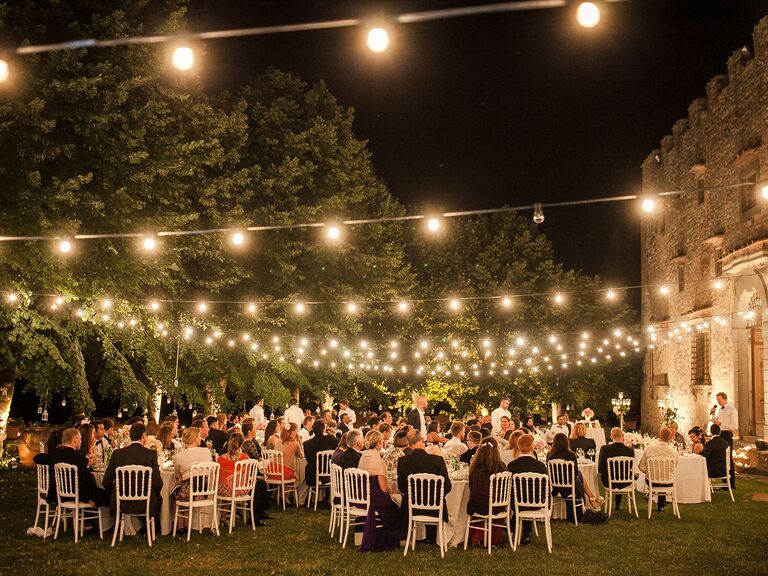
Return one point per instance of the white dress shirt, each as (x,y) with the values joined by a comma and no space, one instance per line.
(294,414)
(496,417)
(352,416)
(257,413)
(454,447)
(657,449)
(423,418)
(557,429)
(729,418)
(304,434)
(101,449)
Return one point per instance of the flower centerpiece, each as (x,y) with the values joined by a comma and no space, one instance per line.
(588,414)
(154,444)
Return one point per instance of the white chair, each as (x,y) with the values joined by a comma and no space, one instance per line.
(425,506)
(337,500)
(274,475)
(357,485)
(203,493)
(68,502)
(243,486)
(661,474)
(43,480)
(562,476)
(720,483)
(499,500)
(531,497)
(322,476)
(133,484)
(621,471)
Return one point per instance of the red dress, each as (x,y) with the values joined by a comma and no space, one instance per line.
(227,471)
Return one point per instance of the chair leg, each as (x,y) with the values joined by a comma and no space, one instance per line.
(148,523)
(535,528)
(466,532)
(346,530)
(253,517)
(509,532)
(45,527)
(650,504)
(37,514)
(575,516)
(116,530)
(488,534)
(76,523)
(548,531)
(232,515)
(175,520)
(122,528)
(57,520)
(189,522)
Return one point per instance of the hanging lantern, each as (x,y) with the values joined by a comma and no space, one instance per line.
(63,402)
(44,417)
(40,409)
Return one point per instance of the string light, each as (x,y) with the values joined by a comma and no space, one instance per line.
(352,308)
(149,244)
(663,290)
(202,307)
(299,308)
(718,284)
(506,302)
(559,298)
(334,233)
(154,305)
(764,191)
(433,224)
(251,308)
(4,71)
(65,246)
(106,304)
(12,297)
(403,307)
(454,304)
(377,40)
(238,238)
(183,58)
(648,204)
(588,14)
(610,294)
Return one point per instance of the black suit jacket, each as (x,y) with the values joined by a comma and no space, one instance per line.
(585,444)
(349,459)
(612,450)
(716,451)
(134,455)
(419,462)
(414,419)
(86,483)
(468,455)
(524,464)
(316,444)
(219,440)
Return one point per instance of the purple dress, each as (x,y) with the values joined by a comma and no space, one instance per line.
(385,513)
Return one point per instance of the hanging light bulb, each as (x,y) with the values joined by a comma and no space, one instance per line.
(538,213)
(63,402)
(588,14)
(506,302)
(377,40)
(149,243)
(5,71)
(238,238)
(433,224)
(718,284)
(12,297)
(154,305)
(106,304)
(333,232)
(202,307)
(403,306)
(454,304)
(663,290)
(764,190)
(299,308)
(559,298)
(65,246)
(648,204)
(610,294)
(183,58)
(352,308)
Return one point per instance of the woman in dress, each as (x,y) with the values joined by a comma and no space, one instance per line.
(340,449)
(530,426)
(696,434)
(510,452)
(88,444)
(396,451)
(561,450)
(165,435)
(272,434)
(291,448)
(227,463)
(486,462)
(433,433)
(192,454)
(579,441)
(388,536)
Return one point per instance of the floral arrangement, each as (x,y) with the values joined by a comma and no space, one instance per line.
(153,444)
(637,440)
(539,445)
(588,413)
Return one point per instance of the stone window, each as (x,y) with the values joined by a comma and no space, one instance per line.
(700,358)
(680,278)
(700,191)
(749,175)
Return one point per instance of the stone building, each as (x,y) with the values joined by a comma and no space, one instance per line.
(708,249)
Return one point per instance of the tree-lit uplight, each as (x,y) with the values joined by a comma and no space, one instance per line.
(588,14)
(377,40)
(4,71)
(183,58)
(65,246)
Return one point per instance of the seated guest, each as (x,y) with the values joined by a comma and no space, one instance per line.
(88,444)
(530,426)
(511,452)
(272,434)
(614,449)
(227,462)
(202,425)
(291,448)
(101,448)
(110,432)
(526,462)
(305,433)
(433,433)
(473,441)
(319,442)
(420,462)
(68,452)
(658,449)
(579,441)
(53,442)
(386,432)
(382,510)
(396,451)
(373,424)
(134,454)
(485,463)
(455,446)
(561,427)
(506,425)
(331,429)
(561,450)
(677,438)
(351,456)
(345,424)
(340,449)
(251,446)
(696,434)
(716,453)
(165,436)
(192,454)
(216,434)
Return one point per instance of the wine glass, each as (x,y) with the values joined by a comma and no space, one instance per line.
(580,453)
(591,454)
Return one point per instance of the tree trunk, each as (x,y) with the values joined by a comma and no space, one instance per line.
(7,384)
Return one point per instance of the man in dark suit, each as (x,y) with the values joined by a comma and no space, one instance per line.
(716,452)
(320,441)
(135,454)
(417,416)
(344,424)
(615,449)
(216,435)
(68,452)
(473,441)
(351,456)
(526,462)
(420,462)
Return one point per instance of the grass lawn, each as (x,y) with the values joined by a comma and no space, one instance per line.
(716,538)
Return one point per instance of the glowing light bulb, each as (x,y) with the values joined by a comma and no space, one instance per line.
(251,308)
(433,224)
(12,297)
(403,306)
(352,308)
(65,246)
(154,305)
(4,71)
(718,284)
(559,298)
(611,294)
(506,302)
(377,40)
(663,290)
(454,304)
(149,244)
(238,238)
(588,15)
(106,304)
(202,307)
(300,308)
(334,233)
(183,58)
(763,190)
(648,205)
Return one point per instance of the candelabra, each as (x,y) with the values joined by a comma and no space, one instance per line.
(621,407)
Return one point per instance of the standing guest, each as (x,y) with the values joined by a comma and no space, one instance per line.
(306,428)
(134,454)
(562,427)
(216,434)
(319,442)
(473,441)
(88,444)
(511,451)
(486,463)
(526,462)
(382,511)
(498,413)
(101,449)
(455,446)
(351,456)
(345,423)
(579,441)
(192,454)
(395,452)
(69,452)
(716,453)
(257,413)
(433,433)
(272,434)
(293,414)
(345,409)
(726,417)
(417,416)
(696,434)
(386,433)
(386,418)
(660,448)
(614,449)
(291,448)
(420,462)
(227,462)
(340,449)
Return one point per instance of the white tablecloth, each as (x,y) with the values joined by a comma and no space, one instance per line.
(598,435)
(692,482)
(589,475)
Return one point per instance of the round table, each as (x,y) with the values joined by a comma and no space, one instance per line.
(691,480)
(588,471)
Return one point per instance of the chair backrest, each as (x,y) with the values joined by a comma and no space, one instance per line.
(244,478)
(728,456)
(621,469)
(43,472)
(323,464)
(273,463)
(661,470)
(42,448)
(500,494)
(530,490)
(203,480)
(66,481)
(357,487)
(425,491)
(337,483)
(562,473)
(133,482)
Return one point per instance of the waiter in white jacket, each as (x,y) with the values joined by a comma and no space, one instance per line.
(498,413)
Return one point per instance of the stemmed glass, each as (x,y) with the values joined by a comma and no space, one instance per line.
(580,453)
(591,454)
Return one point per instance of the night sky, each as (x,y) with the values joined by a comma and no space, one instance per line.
(508,108)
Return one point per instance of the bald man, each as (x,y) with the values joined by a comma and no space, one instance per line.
(417,417)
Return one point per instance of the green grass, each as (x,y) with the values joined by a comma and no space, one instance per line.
(716,538)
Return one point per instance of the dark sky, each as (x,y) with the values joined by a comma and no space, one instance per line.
(509,108)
